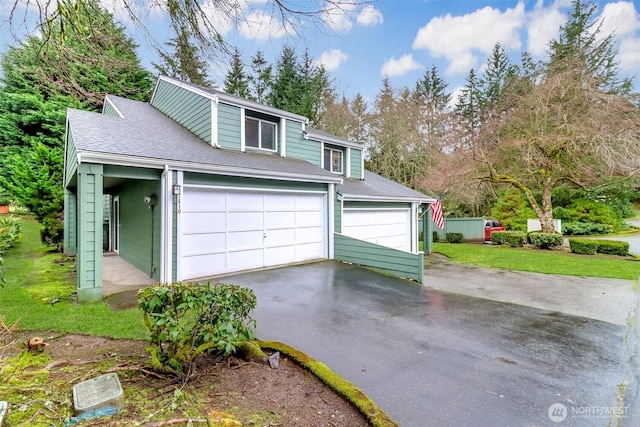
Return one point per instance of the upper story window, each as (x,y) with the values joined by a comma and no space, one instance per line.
(333,160)
(260,134)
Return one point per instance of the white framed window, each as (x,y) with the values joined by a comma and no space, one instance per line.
(333,160)
(260,134)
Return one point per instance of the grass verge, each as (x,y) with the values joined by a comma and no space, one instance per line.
(540,261)
(36,277)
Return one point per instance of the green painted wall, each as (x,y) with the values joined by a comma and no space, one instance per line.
(109,110)
(337,214)
(229,126)
(140,226)
(191,110)
(391,261)
(472,229)
(204,179)
(70,223)
(89,232)
(300,148)
(356,163)
(70,159)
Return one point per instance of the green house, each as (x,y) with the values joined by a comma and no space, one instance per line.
(199,183)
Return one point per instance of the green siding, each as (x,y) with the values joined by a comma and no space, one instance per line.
(472,229)
(229,126)
(109,110)
(231,181)
(191,110)
(70,159)
(89,232)
(337,212)
(70,223)
(300,148)
(140,227)
(356,163)
(174,232)
(391,261)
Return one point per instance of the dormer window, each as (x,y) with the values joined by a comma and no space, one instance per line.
(333,160)
(260,134)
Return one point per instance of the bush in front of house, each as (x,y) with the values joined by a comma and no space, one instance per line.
(545,240)
(500,237)
(189,319)
(9,232)
(592,246)
(585,228)
(454,237)
(516,239)
(434,235)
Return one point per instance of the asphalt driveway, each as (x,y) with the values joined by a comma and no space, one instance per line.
(430,357)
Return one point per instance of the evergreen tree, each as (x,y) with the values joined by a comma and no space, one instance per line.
(431,96)
(468,108)
(42,77)
(285,88)
(260,79)
(498,74)
(237,81)
(580,44)
(185,62)
(359,126)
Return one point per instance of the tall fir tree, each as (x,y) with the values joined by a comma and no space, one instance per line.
(237,81)
(260,79)
(185,62)
(498,74)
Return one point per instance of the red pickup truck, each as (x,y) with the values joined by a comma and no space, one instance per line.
(490,226)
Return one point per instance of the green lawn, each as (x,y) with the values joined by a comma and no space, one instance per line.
(540,261)
(36,276)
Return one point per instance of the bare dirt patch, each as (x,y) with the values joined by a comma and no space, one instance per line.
(39,388)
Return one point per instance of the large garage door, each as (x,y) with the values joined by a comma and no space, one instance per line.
(227,231)
(391,228)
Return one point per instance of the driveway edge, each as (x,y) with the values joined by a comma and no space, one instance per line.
(630,389)
(376,416)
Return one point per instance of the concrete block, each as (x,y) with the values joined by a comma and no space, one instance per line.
(98,393)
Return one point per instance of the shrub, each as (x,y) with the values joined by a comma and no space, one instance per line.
(583,246)
(545,240)
(516,239)
(52,232)
(454,237)
(9,232)
(435,236)
(499,237)
(513,210)
(188,319)
(613,247)
(589,211)
(584,228)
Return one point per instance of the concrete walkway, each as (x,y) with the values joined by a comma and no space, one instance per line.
(118,275)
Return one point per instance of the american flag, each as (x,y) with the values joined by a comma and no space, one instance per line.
(436,208)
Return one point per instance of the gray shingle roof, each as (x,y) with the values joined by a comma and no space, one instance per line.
(376,187)
(146,133)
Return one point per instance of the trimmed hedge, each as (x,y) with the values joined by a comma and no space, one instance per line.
(585,228)
(591,247)
(454,237)
(435,236)
(545,240)
(515,239)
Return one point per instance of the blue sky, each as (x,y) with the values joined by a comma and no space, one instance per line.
(361,43)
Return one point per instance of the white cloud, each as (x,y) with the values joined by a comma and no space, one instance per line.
(337,16)
(453,37)
(620,17)
(544,26)
(629,55)
(398,67)
(260,25)
(370,16)
(332,59)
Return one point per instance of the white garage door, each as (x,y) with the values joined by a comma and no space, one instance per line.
(227,231)
(391,228)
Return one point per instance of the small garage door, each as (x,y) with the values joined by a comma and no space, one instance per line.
(227,231)
(391,228)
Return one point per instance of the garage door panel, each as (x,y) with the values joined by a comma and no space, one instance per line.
(244,221)
(389,228)
(204,243)
(234,230)
(204,222)
(240,240)
(203,265)
(278,238)
(245,202)
(279,220)
(279,202)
